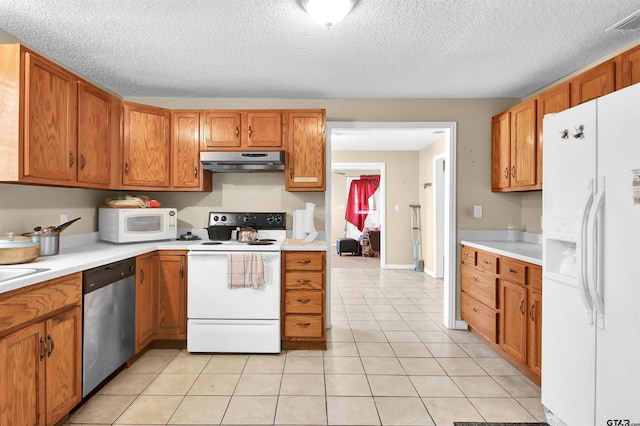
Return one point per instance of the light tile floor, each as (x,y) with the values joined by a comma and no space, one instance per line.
(389,361)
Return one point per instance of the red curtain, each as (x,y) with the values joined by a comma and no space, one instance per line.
(358,199)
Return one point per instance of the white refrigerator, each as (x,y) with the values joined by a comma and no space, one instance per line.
(591,262)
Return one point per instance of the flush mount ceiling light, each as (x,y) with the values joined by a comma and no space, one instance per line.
(328,12)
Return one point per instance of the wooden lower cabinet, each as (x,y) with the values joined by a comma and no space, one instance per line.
(146,271)
(303,302)
(161,297)
(501,301)
(171,297)
(41,363)
(514,321)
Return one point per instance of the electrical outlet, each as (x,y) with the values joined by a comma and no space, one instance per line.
(64,218)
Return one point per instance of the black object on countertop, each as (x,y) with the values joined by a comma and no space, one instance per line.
(188,237)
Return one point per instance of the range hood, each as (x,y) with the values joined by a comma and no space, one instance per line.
(238,162)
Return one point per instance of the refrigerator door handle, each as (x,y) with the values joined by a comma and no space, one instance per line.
(581,249)
(595,252)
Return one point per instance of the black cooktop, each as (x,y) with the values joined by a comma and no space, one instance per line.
(258,221)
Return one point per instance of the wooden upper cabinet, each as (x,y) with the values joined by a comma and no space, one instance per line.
(553,100)
(514,149)
(56,129)
(591,84)
(305,168)
(240,130)
(94,136)
(186,170)
(146,146)
(264,129)
(221,129)
(628,71)
(501,151)
(50,108)
(523,144)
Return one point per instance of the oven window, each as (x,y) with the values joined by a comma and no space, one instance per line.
(144,223)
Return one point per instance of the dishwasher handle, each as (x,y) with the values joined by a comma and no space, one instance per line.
(96,278)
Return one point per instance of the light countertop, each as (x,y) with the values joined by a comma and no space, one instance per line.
(88,252)
(291,244)
(528,247)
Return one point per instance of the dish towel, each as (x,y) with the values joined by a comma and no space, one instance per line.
(245,270)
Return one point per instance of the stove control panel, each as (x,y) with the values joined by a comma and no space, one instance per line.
(254,220)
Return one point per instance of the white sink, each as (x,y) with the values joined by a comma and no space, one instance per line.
(8,273)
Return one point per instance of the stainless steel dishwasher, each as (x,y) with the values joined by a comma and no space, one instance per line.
(109,317)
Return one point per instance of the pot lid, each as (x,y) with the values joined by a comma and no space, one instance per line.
(13,241)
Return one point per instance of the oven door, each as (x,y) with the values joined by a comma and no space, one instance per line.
(209,297)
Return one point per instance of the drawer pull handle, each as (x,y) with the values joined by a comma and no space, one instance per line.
(475,279)
(486,262)
(304,261)
(531,312)
(303,324)
(476,311)
(522,306)
(512,271)
(303,300)
(467,255)
(303,281)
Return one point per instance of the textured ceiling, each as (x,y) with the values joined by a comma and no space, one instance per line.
(273,49)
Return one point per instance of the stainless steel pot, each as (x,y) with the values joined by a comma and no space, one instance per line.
(49,241)
(246,233)
(18,249)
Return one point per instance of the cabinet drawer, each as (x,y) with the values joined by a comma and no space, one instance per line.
(24,305)
(303,326)
(304,261)
(534,276)
(487,262)
(304,280)
(303,302)
(468,256)
(480,286)
(513,270)
(479,317)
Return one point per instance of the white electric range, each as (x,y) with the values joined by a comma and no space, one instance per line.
(224,318)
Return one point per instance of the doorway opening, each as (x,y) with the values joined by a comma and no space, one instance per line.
(445,220)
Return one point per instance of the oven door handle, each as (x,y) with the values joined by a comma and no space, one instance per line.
(223,254)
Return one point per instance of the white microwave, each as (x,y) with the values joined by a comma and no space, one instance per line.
(137,225)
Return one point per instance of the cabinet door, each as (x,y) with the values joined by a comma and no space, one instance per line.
(264,129)
(22,382)
(146,267)
(629,68)
(221,129)
(553,100)
(171,305)
(306,151)
(591,84)
(513,324)
(63,363)
(501,151)
(523,144)
(185,146)
(50,104)
(146,146)
(534,332)
(94,136)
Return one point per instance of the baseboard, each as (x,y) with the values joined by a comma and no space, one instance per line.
(430,273)
(398,266)
(461,325)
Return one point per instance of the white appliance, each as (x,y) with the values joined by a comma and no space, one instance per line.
(223,319)
(137,225)
(591,216)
